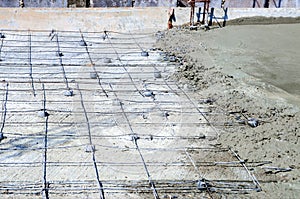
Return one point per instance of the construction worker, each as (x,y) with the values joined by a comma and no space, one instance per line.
(171,17)
(21,3)
(223,3)
(192,3)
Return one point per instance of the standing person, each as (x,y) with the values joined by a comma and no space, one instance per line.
(21,3)
(222,3)
(267,4)
(171,17)
(192,3)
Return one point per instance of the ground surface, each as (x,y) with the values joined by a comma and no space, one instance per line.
(249,71)
(128,130)
(140,125)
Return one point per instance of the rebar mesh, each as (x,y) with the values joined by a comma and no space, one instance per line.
(85,115)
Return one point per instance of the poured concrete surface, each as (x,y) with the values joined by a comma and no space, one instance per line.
(245,69)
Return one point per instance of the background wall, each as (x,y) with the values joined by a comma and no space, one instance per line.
(76,3)
(112,3)
(144,3)
(260,3)
(9,3)
(148,19)
(161,3)
(35,3)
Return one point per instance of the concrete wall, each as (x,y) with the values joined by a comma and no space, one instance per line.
(115,19)
(86,19)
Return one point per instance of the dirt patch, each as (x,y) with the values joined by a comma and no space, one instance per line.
(220,65)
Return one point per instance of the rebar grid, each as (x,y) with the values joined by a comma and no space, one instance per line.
(146,134)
